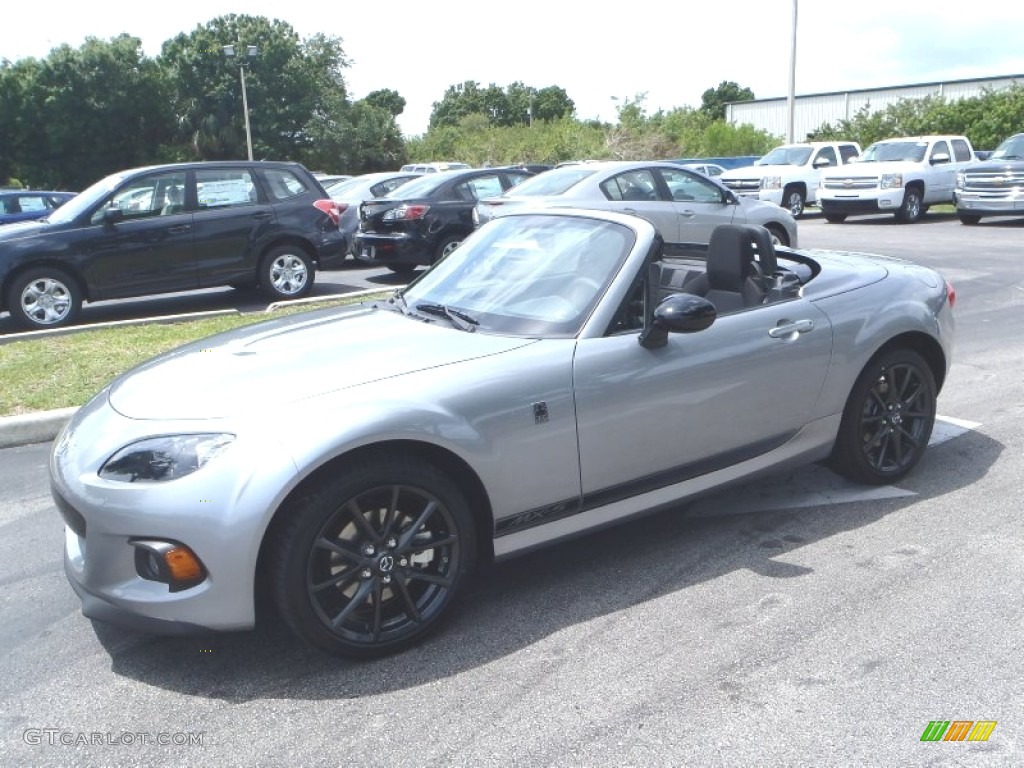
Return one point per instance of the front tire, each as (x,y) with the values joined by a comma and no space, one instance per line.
(912,208)
(286,272)
(793,201)
(44,297)
(888,419)
(372,559)
(968,218)
(779,236)
(835,218)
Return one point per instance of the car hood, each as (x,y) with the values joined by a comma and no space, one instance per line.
(272,365)
(19,229)
(853,170)
(758,171)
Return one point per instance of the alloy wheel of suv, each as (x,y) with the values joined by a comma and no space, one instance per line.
(44,297)
(287,273)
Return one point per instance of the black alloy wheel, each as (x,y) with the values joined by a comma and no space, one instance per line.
(888,419)
(372,560)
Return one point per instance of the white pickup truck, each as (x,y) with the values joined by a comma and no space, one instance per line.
(900,176)
(788,175)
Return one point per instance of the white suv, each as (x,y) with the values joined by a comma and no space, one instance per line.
(788,175)
(900,176)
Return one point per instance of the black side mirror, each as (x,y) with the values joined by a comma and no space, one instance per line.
(679,313)
(112,216)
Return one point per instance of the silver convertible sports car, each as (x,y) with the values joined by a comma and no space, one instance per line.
(355,464)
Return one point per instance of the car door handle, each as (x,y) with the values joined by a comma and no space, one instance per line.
(687,214)
(787,330)
(179,229)
(261,215)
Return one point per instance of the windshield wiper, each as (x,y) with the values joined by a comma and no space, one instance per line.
(458,318)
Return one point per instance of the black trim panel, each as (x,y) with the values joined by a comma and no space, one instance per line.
(531,518)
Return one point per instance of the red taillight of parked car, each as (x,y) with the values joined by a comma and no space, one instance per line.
(330,208)
(950,294)
(406,213)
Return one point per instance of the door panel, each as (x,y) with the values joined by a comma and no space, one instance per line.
(714,393)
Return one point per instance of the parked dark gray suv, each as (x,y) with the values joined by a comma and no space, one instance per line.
(171,228)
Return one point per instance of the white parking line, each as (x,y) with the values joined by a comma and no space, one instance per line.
(813,486)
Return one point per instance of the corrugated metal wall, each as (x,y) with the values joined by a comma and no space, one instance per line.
(814,110)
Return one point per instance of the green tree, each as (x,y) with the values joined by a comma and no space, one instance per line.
(290,84)
(713,100)
(501,106)
(83,113)
(388,100)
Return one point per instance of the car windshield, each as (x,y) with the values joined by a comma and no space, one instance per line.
(420,187)
(532,275)
(885,151)
(83,201)
(1011,149)
(786,156)
(554,182)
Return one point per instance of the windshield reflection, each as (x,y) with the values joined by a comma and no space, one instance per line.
(533,275)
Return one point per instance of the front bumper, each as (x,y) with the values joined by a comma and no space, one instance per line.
(987,206)
(220,512)
(879,201)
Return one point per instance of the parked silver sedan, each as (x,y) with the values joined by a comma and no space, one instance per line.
(682,203)
(554,374)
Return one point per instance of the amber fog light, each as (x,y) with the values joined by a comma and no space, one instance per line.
(168,562)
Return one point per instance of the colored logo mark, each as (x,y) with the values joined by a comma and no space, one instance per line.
(958,730)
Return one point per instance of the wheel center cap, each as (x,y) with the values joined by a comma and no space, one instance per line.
(386,564)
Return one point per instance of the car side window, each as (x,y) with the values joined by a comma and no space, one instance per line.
(32,203)
(481,186)
(282,184)
(631,185)
(827,153)
(514,179)
(146,196)
(939,148)
(226,188)
(848,152)
(689,187)
(961,152)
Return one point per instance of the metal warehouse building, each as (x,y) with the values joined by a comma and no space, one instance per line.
(816,109)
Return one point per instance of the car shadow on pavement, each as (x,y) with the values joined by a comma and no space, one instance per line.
(575,587)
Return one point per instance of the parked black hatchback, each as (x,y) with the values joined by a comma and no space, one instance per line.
(427,218)
(171,228)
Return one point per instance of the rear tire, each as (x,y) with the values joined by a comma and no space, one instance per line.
(887,420)
(286,272)
(401,269)
(448,244)
(373,557)
(44,297)
(779,236)
(835,218)
(968,219)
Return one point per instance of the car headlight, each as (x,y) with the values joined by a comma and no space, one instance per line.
(161,459)
(961,180)
(771,182)
(891,181)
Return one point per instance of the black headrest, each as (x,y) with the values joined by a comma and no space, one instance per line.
(731,250)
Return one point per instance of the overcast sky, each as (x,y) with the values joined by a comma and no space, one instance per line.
(672,51)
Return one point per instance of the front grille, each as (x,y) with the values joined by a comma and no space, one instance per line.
(994,183)
(743,185)
(852,182)
(72,517)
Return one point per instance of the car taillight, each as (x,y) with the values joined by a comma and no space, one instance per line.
(406,212)
(950,294)
(330,208)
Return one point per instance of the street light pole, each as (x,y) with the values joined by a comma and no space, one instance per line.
(250,54)
(791,101)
